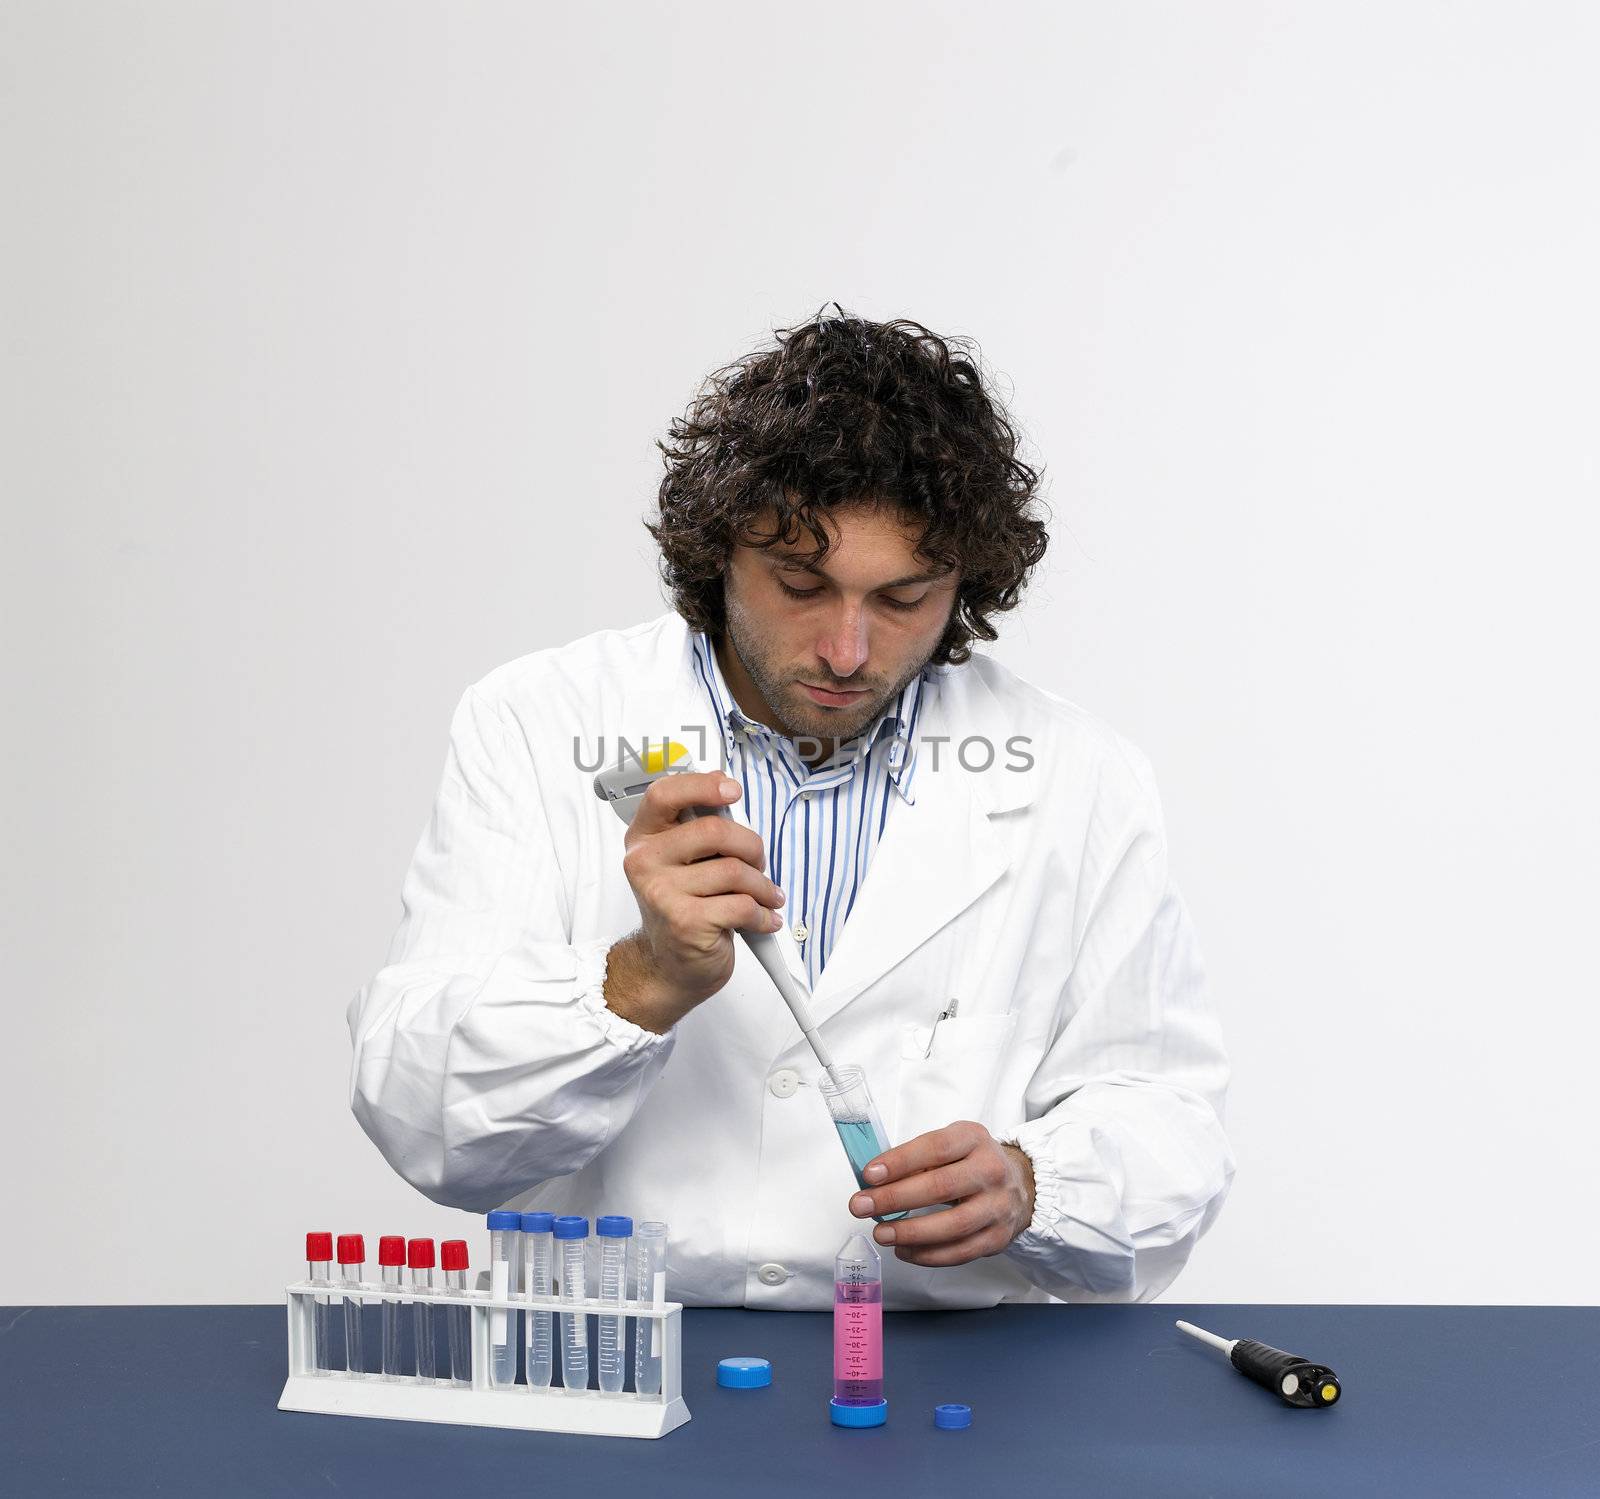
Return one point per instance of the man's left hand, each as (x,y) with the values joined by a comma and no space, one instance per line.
(989,1187)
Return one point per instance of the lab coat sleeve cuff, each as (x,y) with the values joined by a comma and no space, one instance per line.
(1075,1240)
(634,1041)
(1033,1140)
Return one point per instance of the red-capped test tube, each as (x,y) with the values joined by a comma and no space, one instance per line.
(319,1271)
(352,1268)
(391,1259)
(453,1256)
(419,1255)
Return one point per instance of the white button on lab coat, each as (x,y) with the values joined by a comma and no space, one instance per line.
(1028,883)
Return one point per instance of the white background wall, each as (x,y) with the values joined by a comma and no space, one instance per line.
(335,342)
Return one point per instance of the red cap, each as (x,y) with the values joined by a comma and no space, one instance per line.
(453,1254)
(391,1250)
(319,1247)
(419,1254)
(352,1249)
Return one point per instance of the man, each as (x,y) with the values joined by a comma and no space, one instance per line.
(967,873)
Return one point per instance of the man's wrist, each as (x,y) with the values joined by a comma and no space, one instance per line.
(1024,1163)
(630,985)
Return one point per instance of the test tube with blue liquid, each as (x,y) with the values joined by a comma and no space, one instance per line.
(613,1231)
(855,1116)
(538,1233)
(505,1246)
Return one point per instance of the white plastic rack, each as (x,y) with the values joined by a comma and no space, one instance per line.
(588,1412)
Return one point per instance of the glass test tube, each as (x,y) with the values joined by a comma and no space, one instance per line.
(858,1324)
(319,1269)
(419,1256)
(391,1257)
(505,1233)
(855,1116)
(453,1260)
(570,1234)
(537,1230)
(352,1264)
(650,1289)
(613,1231)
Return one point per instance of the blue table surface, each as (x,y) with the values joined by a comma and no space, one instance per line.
(1085,1400)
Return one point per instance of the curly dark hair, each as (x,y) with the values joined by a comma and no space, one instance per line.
(845,412)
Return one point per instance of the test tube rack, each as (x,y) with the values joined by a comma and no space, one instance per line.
(588,1412)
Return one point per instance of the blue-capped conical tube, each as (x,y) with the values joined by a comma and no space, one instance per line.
(613,1231)
(505,1250)
(858,1335)
(537,1280)
(570,1236)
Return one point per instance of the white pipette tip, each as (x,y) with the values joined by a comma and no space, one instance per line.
(1225,1345)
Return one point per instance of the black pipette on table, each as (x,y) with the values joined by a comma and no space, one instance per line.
(1294,1380)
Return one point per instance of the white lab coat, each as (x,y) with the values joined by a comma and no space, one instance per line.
(489,1071)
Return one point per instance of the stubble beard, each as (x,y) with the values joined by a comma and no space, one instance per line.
(754,651)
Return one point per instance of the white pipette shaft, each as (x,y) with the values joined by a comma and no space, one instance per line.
(763,945)
(1224,1344)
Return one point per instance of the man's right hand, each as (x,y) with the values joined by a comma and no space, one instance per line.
(696,883)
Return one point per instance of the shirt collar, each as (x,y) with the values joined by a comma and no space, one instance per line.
(896,724)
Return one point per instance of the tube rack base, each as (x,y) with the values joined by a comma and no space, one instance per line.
(587,1412)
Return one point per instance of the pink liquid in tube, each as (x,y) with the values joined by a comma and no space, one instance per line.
(858,1324)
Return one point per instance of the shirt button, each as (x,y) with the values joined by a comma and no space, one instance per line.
(801,931)
(772,1275)
(784,1083)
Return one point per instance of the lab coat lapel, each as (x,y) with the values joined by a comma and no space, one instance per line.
(936,857)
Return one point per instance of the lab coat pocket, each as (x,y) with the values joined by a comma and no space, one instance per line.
(951,1079)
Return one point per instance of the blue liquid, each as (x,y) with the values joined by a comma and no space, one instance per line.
(862,1143)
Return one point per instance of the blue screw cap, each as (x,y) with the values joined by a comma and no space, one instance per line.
(952,1417)
(538,1223)
(858,1415)
(614,1226)
(500,1218)
(572,1228)
(744,1373)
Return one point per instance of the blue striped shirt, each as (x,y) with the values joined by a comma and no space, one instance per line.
(819,825)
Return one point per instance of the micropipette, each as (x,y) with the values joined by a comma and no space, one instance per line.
(624,786)
(1294,1380)
(453,1260)
(613,1231)
(352,1261)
